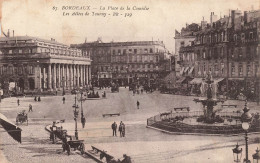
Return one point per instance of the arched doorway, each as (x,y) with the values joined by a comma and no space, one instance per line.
(31,83)
(20,84)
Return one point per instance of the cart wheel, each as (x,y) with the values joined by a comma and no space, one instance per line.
(68,149)
(82,148)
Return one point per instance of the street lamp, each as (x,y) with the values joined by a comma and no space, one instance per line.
(246,119)
(76,113)
(237,153)
(256,156)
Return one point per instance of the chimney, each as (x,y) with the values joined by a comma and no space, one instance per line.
(13,33)
(245,16)
(8,33)
(213,18)
(236,23)
(203,23)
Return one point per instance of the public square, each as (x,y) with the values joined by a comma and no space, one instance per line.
(141,144)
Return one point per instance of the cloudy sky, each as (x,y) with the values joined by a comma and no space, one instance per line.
(37,18)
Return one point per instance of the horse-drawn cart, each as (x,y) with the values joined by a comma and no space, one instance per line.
(75,144)
(22,117)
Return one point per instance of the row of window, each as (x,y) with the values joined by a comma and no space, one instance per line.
(9,70)
(237,52)
(46,50)
(215,69)
(128,51)
(122,68)
(220,37)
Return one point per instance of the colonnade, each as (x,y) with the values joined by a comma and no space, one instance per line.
(57,76)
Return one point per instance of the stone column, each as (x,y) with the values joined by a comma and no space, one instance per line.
(43,76)
(86,71)
(68,77)
(49,77)
(89,74)
(54,77)
(62,76)
(74,76)
(83,75)
(71,76)
(38,77)
(65,75)
(77,74)
(58,77)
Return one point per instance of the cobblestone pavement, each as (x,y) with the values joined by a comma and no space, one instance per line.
(141,143)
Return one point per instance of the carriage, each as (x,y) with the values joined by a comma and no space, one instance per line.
(22,117)
(75,144)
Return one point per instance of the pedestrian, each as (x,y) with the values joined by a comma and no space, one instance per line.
(63,99)
(39,98)
(114,127)
(120,128)
(123,129)
(83,121)
(133,92)
(18,102)
(35,98)
(138,104)
(30,108)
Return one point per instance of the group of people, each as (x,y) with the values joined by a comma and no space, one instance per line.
(37,99)
(121,129)
(93,94)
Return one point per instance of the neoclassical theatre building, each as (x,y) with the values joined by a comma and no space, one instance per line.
(35,64)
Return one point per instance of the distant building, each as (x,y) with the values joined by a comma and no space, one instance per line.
(30,64)
(183,39)
(126,62)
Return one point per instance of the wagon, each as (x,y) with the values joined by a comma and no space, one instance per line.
(21,117)
(75,144)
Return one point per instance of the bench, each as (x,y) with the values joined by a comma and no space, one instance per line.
(114,114)
(235,106)
(166,113)
(182,108)
(102,154)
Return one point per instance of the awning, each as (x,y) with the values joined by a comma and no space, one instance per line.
(196,81)
(236,79)
(191,70)
(186,69)
(13,130)
(182,69)
(218,80)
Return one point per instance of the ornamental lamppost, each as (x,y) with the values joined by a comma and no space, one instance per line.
(76,113)
(246,118)
(256,156)
(237,153)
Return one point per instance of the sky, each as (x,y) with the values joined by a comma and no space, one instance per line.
(40,19)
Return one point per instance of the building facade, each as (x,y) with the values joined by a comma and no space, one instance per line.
(34,64)
(183,39)
(228,49)
(126,62)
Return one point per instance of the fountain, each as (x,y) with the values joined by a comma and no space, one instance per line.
(209,103)
(211,121)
